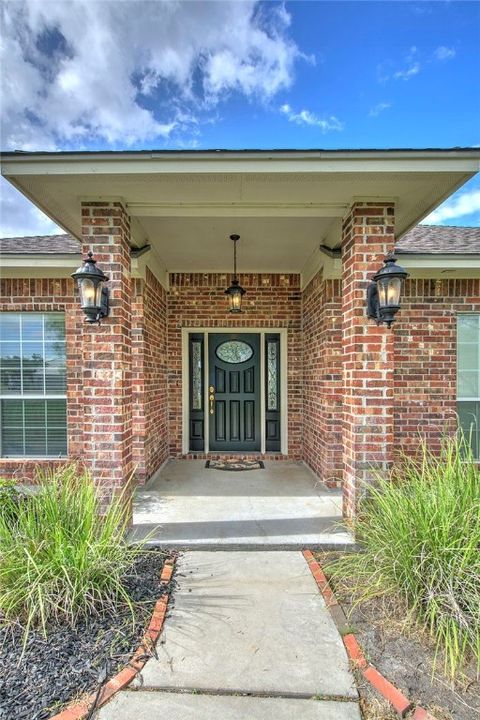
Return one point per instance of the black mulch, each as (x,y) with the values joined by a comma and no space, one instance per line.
(68,664)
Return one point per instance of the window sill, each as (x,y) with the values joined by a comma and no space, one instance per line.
(28,458)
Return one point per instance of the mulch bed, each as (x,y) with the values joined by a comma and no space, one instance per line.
(70,663)
(405,656)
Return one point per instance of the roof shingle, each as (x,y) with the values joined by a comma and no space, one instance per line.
(440,240)
(40,245)
(423,239)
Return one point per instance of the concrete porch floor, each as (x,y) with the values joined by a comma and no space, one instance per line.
(284,506)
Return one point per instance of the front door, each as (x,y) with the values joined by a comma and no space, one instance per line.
(234,392)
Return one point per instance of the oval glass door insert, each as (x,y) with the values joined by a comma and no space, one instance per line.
(234,351)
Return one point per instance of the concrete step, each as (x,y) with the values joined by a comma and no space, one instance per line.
(187,706)
(205,538)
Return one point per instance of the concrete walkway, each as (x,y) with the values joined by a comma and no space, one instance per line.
(284,506)
(248,638)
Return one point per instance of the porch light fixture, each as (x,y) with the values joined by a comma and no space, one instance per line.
(235,292)
(93,294)
(383,294)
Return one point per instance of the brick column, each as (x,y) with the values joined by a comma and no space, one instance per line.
(107,351)
(368,362)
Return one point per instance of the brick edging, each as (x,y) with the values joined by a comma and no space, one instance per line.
(124,677)
(397,699)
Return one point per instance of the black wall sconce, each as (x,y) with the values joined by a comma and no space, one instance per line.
(383,294)
(93,294)
(235,292)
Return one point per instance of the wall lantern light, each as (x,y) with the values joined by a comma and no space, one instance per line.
(93,294)
(383,294)
(235,292)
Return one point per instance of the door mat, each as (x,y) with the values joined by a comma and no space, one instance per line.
(235,464)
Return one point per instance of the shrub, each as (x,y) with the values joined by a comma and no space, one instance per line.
(10,499)
(419,530)
(61,560)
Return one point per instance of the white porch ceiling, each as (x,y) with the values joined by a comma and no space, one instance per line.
(283,204)
(193,244)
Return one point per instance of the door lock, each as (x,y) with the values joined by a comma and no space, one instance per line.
(211,397)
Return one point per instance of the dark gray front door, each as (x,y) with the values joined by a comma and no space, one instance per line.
(234,392)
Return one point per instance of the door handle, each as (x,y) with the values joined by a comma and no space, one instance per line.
(211,397)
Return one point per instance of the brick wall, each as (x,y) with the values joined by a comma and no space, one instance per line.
(425,358)
(41,295)
(368,352)
(125,383)
(107,352)
(272,301)
(322,377)
(149,376)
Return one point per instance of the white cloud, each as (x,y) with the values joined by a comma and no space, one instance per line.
(379,108)
(408,72)
(444,53)
(458,206)
(411,64)
(93,73)
(305,117)
(18,216)
(131,72)
(411,67)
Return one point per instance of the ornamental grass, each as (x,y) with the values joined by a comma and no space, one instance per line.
(60,559)
(419,532)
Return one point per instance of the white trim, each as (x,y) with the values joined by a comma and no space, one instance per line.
(426,265)
(185,390)
(33,397)
(435,261)
(206,404)
(261,331)
(229,209)
(43,260)
(307,161)
(263,410)
(155,265)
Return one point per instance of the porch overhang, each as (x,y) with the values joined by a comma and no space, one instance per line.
(284,204)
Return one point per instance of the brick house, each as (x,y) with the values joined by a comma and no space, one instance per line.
(302,373)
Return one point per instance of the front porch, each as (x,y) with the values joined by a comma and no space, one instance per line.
(283,506)
(314,227)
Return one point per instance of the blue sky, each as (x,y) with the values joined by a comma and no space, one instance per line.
(118,75)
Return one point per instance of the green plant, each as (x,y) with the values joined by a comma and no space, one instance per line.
(419,530)
(62,560)
(10,499)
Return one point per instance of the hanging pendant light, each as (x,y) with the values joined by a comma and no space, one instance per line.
(235,292)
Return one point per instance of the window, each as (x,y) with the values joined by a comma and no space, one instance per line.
(33,404)
(234,351)
(468,379)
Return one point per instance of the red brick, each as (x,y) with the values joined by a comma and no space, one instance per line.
(355,391)
(397,699)
(354,651)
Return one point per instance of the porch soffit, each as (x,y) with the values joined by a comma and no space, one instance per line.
(283,205)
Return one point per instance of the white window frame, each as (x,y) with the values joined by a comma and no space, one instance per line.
(475,399)
(32,396)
